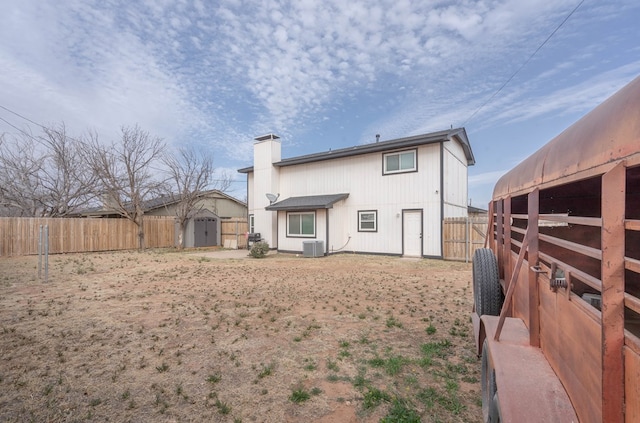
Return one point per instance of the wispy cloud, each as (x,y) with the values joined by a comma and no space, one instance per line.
(223,72)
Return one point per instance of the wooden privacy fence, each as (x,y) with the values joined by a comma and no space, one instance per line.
(234,230)
(463,236)
(19,235)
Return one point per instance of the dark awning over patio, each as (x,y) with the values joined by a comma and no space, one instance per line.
(309,202)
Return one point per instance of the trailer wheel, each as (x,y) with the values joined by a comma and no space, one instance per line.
(488,387)
(494,410)
(487,291)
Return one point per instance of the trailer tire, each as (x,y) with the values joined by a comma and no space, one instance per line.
(494,409)
(488,386)
(487,291)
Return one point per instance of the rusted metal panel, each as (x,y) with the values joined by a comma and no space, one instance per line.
(512,285)
(500,238)
(632,385)
(532,276)
(536,394)
(613,250)
(571,339)
(608,133)
(507,235)
(521,294)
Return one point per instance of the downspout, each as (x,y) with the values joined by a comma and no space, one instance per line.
(326,247)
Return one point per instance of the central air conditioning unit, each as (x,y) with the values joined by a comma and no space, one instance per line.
(312,248)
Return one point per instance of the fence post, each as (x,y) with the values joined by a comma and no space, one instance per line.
(46,253)
(40,252)
(467,237)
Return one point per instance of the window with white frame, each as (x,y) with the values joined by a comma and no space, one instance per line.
(301,224)
(251,224)
(367,221)
(399,162)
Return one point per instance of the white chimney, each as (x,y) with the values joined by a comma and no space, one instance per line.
(266,180)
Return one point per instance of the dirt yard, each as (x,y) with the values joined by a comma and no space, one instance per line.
(165,336)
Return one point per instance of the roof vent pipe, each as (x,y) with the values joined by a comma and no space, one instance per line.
(377,137)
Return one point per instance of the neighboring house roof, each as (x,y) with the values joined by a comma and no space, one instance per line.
(309,202)
(435,137)
(477,210)
(167,200)
(158,202)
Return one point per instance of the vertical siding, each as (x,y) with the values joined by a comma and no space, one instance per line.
(361,177)
(294,244)
(455,181)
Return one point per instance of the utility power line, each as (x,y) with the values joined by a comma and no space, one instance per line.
(524,64)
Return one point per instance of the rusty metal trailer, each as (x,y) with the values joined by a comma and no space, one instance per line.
(557,287)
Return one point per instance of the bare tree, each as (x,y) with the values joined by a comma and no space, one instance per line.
(126,173)
(43,175)
(21,190)
(190,173)
(68,183)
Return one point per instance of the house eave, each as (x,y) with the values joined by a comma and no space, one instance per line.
(459,134)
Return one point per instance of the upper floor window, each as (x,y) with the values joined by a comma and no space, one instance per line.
(252,228)
(301,224)
(399,162)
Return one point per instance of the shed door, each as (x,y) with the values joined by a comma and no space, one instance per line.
(412,233)
(205,232)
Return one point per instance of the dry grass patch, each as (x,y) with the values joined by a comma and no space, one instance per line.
(170,336)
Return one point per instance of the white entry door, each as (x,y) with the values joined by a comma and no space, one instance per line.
(412,233)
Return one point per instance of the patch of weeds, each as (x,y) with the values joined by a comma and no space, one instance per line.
(400,412)
(437,349)
(297,339)
(47,389)
(376,362)
(345,344)
(125,395)
(266,371)
(374,397)
(95,402)
(299,395)
(163,367)
(315,391)
(214,378)
(344,353)
(332,365)
(393,365)
(310,366)
(460,369)
(449,401)
(359,381)
(333,377)
(428,396)
(430,329)
(223,407)
(393,322)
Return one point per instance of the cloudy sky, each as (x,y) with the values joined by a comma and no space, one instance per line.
(321,74)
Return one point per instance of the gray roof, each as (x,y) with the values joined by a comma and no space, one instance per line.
(309,202)
(156,203)
(434,137)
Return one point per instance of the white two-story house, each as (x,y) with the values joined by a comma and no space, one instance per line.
(387,197)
